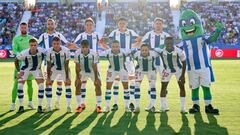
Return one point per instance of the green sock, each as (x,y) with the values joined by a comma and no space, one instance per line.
(14,90)
(195,96)
(207,95)
(30,90)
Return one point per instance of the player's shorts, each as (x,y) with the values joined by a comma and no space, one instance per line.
(166,75)
(59,74)
(111,75)
(151,75)
(58,78)
(37,74)
(130,67)
(30,77)
(85,76)
(200,77)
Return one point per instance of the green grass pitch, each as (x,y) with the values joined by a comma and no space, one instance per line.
(226,93)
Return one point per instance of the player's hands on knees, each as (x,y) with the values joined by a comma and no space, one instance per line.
(182,79)
(77,82)
(68,81)
(20,74)
(48,82)
(97,82)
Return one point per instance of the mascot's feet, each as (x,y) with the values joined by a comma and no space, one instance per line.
(194,109)
(210,109)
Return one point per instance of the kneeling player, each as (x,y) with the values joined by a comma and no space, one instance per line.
(58,64)
(117,68)
(86,67)
(32,58)
(146,60)
(174,62)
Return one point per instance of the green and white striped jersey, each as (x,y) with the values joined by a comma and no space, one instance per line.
(58,59)
(116,61)
(86,61)
(31,62)
(145,64)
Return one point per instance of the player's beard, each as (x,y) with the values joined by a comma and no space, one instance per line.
(24,32)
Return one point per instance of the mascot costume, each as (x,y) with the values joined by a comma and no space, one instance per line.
(195,44)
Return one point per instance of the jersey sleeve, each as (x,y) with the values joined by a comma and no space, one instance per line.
(63,39)
(41,41)
(181,54)
(145,38)
(78,40)
(15,46)
(21,56)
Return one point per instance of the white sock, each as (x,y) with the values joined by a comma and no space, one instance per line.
(40,93)
(196,102)
(20,93)
(78,98)
(182,103)
(163,102)
(207,102)
(99,100)
(116,90)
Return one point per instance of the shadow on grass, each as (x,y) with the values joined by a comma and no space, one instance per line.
(27,126)
(212,127)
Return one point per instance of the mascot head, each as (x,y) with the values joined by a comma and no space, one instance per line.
(190,25)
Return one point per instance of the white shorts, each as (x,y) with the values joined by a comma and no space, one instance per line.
(58,78)
(59,75)
(151,75)
(130,67)
(85,76)
(111,75)
(37,74)
(199,78)
(166,75)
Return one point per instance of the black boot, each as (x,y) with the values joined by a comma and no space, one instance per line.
(194,109)
(210,109)
(114,107)
(21,109)
(131,106)
(39,110)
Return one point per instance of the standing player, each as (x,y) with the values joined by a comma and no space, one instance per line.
(93,39)
(57,58)
(117,68)
(21,43)
(86,68)
(127,38)
(145,66)
(32,58)
(174,62)
(45,41)
(155,38)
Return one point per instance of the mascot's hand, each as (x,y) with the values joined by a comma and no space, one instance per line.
(219,26)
